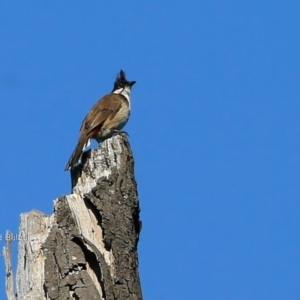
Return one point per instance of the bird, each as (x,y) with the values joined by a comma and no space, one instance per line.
(105,119)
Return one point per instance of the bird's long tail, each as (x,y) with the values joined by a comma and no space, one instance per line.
(82,143)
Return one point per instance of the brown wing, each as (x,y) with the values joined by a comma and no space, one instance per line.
(105,108)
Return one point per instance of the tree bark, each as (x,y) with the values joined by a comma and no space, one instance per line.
(87,249)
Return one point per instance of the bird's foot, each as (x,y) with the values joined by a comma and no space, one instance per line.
(122,132)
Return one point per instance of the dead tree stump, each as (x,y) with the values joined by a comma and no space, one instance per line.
(87,249)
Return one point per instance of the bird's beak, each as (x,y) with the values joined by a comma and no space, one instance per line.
(131,83)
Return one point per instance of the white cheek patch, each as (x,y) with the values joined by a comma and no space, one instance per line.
(118,91)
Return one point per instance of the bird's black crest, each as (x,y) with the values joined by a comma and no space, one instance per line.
(121,76)
(121,81)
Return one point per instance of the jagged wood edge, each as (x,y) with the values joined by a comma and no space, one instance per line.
(89,261)
(83,266)
(9,277)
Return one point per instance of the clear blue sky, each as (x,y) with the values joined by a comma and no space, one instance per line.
(214,130)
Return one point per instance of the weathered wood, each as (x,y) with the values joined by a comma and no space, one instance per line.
(33,232)
(9,281)
(87,249)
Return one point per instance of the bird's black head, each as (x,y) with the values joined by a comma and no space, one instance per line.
(121,82)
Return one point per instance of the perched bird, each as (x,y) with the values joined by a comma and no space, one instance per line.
(107,117)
